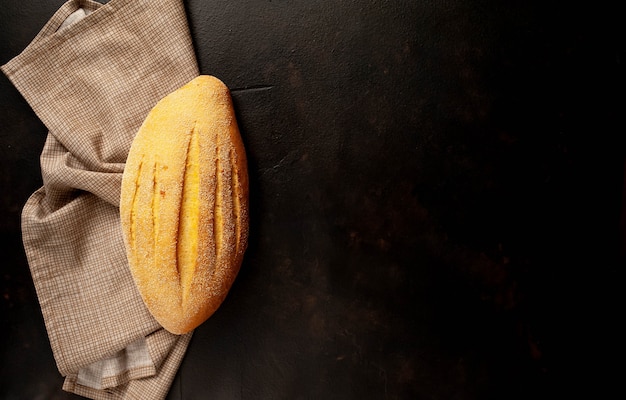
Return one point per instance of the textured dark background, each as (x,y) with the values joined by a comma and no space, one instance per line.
(436,191)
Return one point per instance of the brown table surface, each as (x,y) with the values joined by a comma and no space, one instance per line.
(436,192)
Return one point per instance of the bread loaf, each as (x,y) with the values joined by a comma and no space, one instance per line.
(184,204)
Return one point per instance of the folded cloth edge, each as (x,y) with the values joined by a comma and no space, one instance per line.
(133,362)
(45,34)
(153,387)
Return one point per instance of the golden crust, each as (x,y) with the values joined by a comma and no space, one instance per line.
(184,204)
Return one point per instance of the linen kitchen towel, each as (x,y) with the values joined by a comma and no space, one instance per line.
(91,75)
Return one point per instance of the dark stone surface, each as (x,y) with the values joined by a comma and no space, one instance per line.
(436,191)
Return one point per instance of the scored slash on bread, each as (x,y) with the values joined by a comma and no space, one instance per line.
(184,204)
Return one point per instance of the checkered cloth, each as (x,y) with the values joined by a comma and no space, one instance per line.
(91,75)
